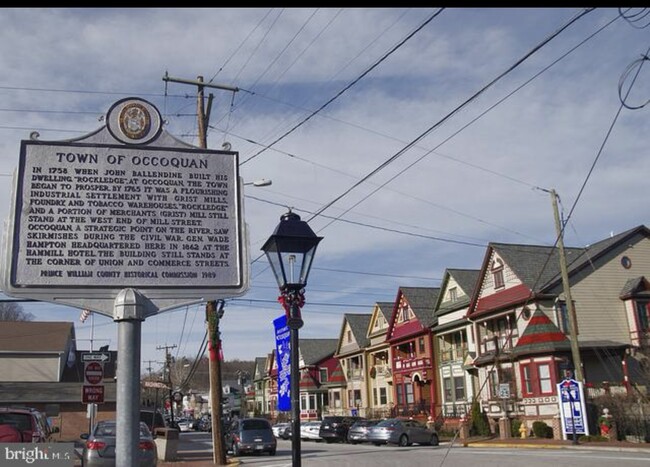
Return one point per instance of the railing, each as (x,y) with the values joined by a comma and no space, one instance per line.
(407,410)
(453,353)
(456,410)
(418,363)
(355,374)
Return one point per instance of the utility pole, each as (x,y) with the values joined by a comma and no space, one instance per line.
(575,349)
(213,309)
(168,365)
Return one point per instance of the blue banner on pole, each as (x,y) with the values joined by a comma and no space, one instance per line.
(283,362)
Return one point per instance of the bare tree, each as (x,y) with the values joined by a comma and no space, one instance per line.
(11,311)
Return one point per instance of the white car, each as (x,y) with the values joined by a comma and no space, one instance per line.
(280,430)
(309,431)
(184,425)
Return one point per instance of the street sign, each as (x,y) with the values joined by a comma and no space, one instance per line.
(93,373)
(504,391)
(92,394)
(573,413)
(102,357)
(155,385)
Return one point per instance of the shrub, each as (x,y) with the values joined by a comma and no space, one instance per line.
(479,423)
(515,424)
(542,430)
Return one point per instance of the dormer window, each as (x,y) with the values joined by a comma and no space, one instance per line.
(497,274)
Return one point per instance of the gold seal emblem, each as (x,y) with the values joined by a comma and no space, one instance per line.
(134,121)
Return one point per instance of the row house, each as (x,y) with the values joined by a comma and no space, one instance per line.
(410,338)
(380,368)
(351,353)
(455,348)
(521,324)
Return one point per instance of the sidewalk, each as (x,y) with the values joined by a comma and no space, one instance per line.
(538,443)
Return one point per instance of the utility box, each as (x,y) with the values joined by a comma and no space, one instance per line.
(166,443)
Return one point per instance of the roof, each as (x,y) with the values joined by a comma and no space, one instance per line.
(386,309)
(466,280)
(635,287)
(260,367)
(541,336)
(359,325)
(314,351)
(422,301)
(35,336)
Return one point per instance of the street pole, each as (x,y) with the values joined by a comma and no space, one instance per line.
(214,346)
(575,349)
(295,322)
(168,365)
(212,313)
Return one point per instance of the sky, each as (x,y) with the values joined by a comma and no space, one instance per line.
(417,136)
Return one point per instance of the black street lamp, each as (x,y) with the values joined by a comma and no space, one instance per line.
(290,251)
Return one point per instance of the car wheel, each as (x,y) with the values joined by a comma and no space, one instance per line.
(434,440)
(272,452)
(403,441)
(377,444)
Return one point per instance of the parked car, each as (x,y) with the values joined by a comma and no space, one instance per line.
(310,431)
(185,424)
(249,436)
(205,423)
(402,432)
(335,428)
(280,430)
(153,419)
(358,432)
(30,424)
(99,449)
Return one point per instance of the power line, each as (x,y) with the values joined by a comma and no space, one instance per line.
(346,88)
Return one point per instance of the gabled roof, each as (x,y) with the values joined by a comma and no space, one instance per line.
(466,280)
(538,267)
(260,367)
(541,335)
(314,351)
(358,325)
(422,301)
(35,336)
(386,309)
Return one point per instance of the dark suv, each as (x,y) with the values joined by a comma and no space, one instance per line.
(28,424)
(335,427)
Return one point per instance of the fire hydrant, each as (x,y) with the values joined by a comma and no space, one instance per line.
(523,431)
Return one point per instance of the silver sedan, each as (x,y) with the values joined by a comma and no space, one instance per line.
(402,432)
(99,450)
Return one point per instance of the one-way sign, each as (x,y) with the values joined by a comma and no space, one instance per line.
(96,357)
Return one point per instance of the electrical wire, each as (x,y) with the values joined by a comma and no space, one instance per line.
(346,88)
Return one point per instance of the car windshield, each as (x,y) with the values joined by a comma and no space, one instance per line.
(254,425)
(21,421)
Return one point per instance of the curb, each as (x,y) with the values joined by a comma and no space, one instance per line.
(557,446)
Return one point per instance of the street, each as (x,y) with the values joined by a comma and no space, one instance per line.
(364,455)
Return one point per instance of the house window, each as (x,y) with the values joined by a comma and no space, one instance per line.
(459,387)
(500,376)
(374,396)
(399,393)
(383,396)
(538,379)
(323,375)
(563,321)
(453,294)
(408,390)
(421,344)
(336,399)
(447,385)
(642,315)
(405,314)
(349,336)
(497,274)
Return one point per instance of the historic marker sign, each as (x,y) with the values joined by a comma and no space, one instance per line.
(127,207)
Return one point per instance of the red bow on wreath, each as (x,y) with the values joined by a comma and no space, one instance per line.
(288,298)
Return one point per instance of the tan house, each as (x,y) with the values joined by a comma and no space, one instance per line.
(41,368)
(351,353)
(380,388)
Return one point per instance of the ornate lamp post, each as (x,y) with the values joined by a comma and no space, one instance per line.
(290,251)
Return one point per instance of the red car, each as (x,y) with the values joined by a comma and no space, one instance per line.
(27,423)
